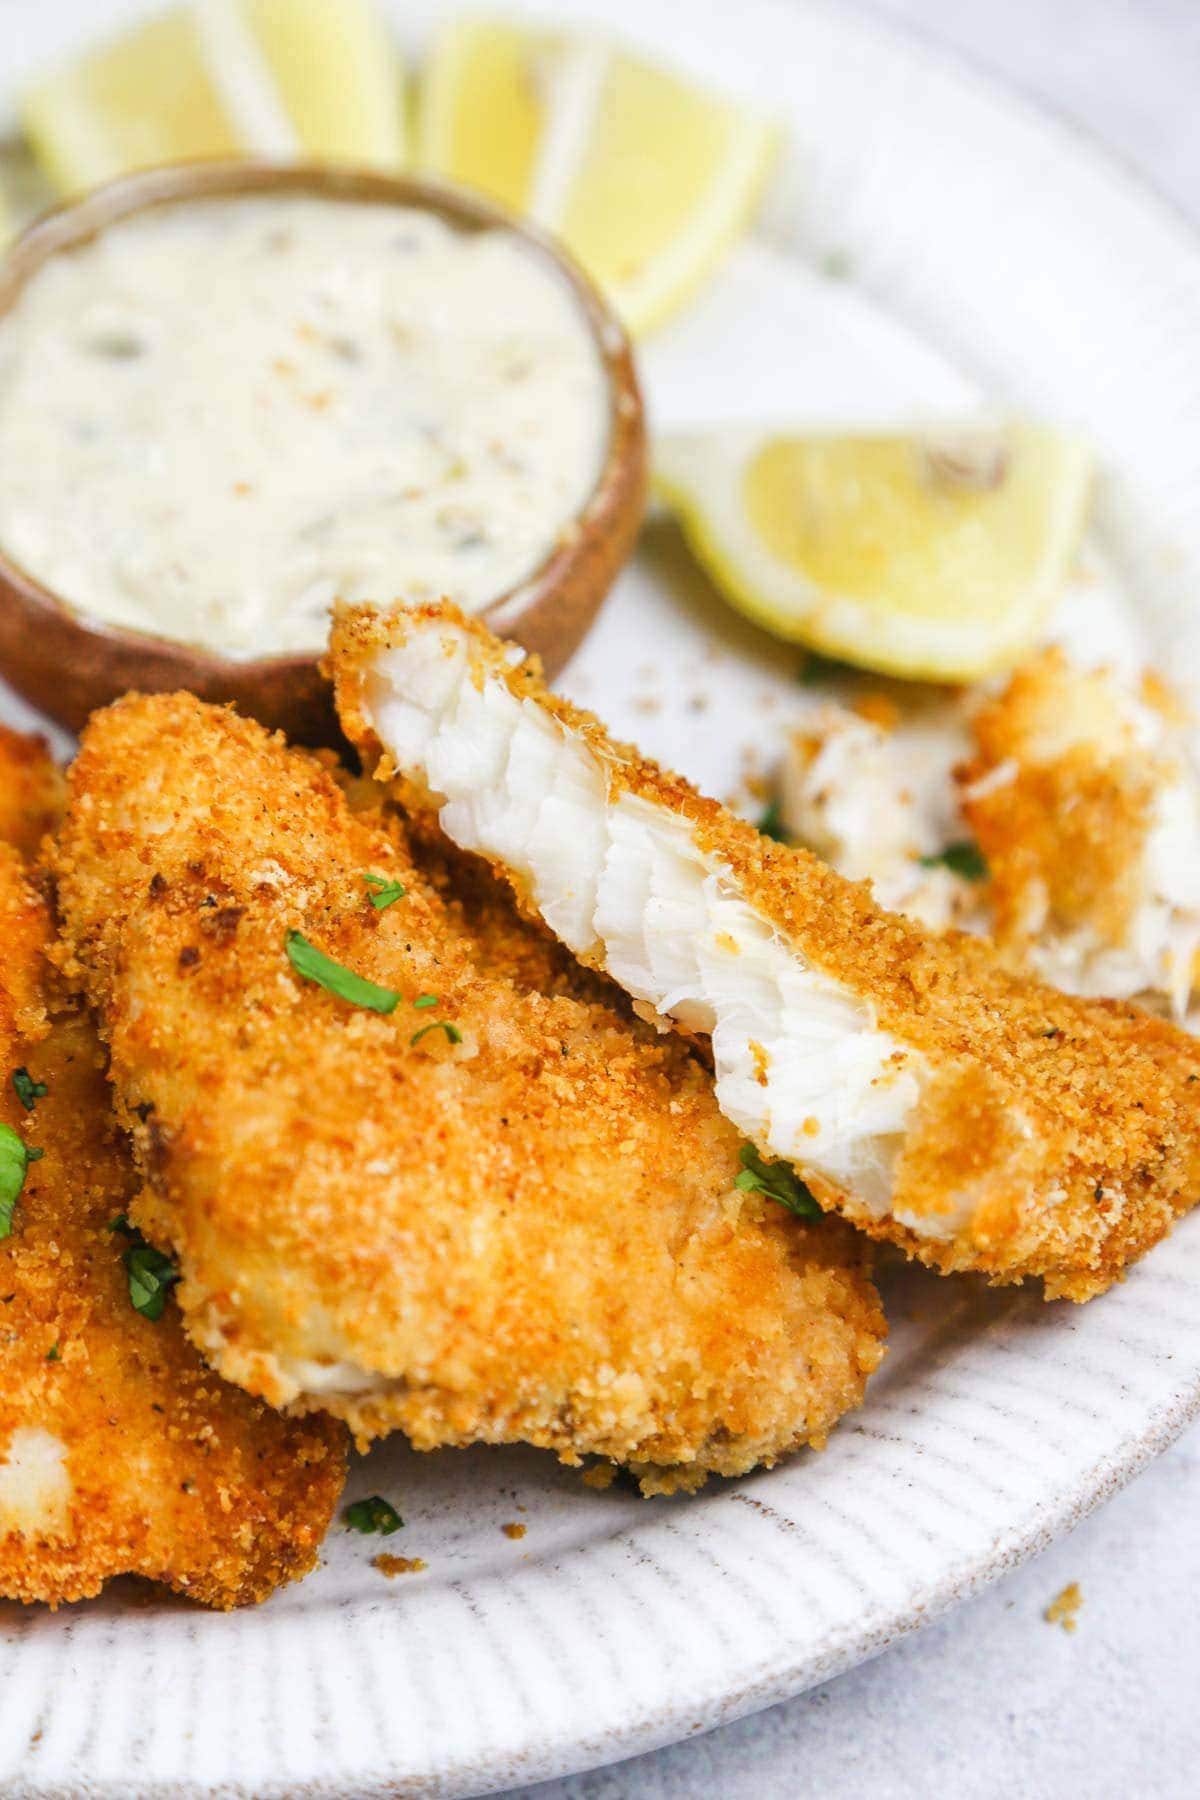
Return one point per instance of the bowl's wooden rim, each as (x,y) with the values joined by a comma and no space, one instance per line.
(620,484)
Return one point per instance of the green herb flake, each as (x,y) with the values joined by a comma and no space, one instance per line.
(837,265)
(777,1181)
(451,1031)
(426,1000)
(373,1515)
(817,668)
(965,859)
(771,824)
(150,1274)
(15,1158)
(313,965)
(384,891)
(27,1090)
(52,1353)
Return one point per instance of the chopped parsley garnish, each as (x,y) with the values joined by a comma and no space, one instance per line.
(150,1273)
(15,1158)
(313,965)
(816,667)
(426,1000)
(383,890)
(27,1090)
(771,823)
(374,1514)
(777,1182)
(965,859)
(52,1353)
(451,1031)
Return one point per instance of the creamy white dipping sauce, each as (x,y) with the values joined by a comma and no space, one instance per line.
(222,415)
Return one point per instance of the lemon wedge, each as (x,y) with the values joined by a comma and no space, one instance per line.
(667,181)
(276,78)
(337,72)
(933,556)
(647,177)
(483,106)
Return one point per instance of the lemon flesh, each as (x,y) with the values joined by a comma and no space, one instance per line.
(280,78)
(646,177)
(483,108)
(932,556)
(142,98)
(337,72)
(668,179)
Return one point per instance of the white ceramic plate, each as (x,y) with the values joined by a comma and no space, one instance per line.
(994,256)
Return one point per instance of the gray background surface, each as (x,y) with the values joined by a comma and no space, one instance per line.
(993,1701)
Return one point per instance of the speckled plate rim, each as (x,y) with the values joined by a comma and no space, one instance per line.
(1003,1428)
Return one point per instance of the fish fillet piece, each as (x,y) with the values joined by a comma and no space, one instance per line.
(523,1228)
(979,1120)
(872,792)
(1084,795)
(120,1453)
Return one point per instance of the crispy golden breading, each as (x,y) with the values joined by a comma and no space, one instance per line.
(1068,795)
(32,791)
(1038,1135)
(121,1453)
(523,1229)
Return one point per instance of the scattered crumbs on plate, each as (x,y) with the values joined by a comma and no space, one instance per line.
(398,1565)
(698,703)
(877,708)
(513,1530)
(646,703)
(753,777)
(600,1475)
(1064,1608)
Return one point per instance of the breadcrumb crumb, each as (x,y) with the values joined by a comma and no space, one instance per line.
(391,1566)
(1064,1608)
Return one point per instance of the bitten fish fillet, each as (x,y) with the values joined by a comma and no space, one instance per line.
(120,1453)
(491,1213)
(979,1120)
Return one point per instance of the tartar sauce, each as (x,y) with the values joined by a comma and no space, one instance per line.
(219,416)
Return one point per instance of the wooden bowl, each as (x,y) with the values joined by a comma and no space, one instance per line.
(67,664)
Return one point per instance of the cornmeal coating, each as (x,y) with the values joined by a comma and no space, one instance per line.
(979,1119)
(120,1453)
(523,1227)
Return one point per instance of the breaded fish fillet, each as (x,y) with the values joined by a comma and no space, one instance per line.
(1084,795)
(33,791)
(978,1120)
(119,1451)
(457,1205)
